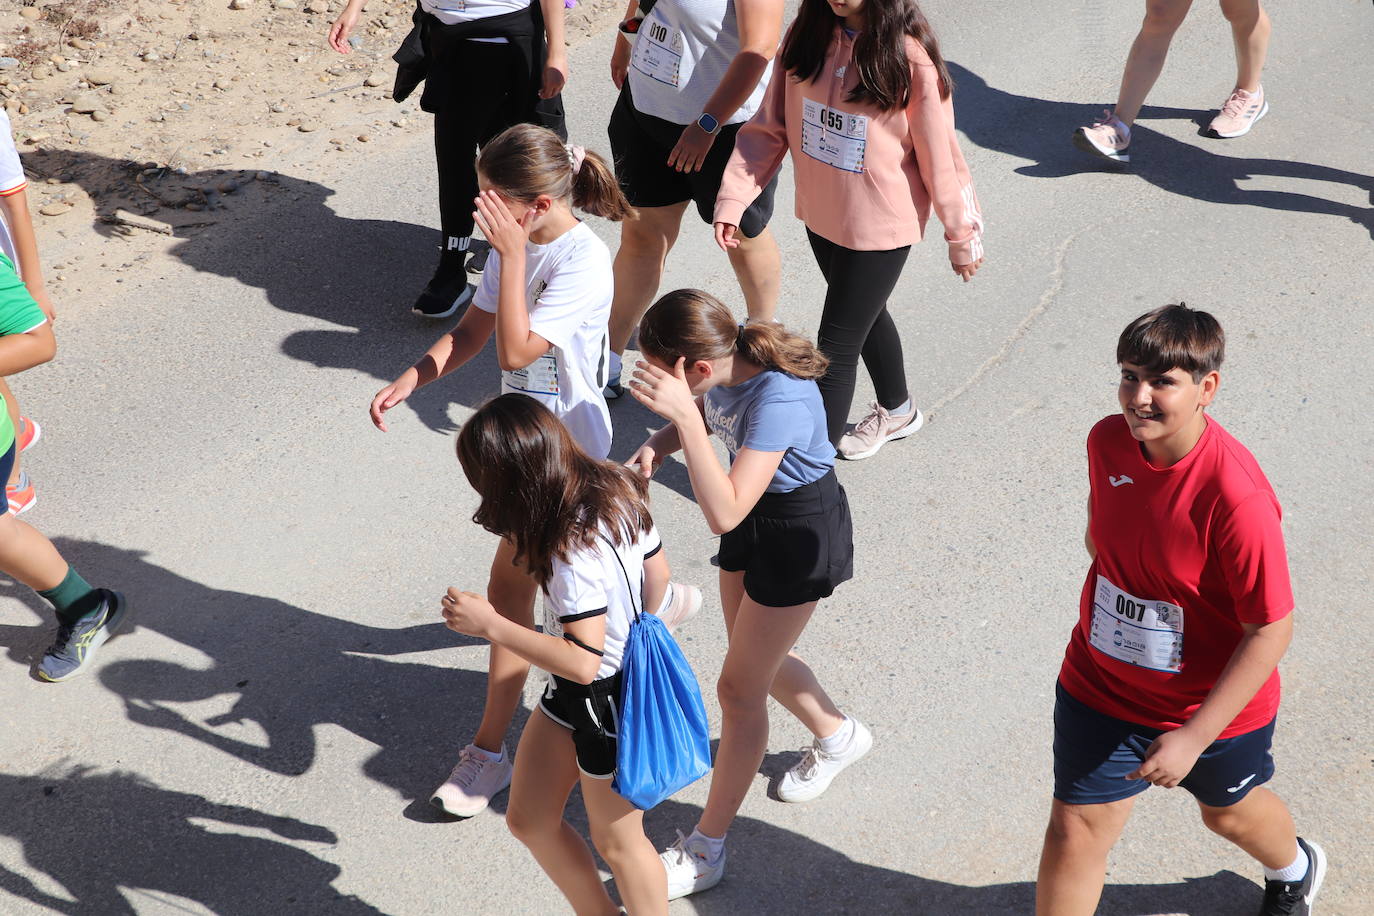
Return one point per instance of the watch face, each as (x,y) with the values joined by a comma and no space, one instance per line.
(708,124)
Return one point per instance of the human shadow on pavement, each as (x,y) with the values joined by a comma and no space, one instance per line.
(97,834)
(794,873)
(279,234)
(1042,131)
(282,671)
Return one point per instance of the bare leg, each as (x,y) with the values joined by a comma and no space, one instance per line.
(1073,863)
(760,638)
(638,268)
(545,772)
(1260,824)
(511,591)
(795,686)
(758,267)
(12,406)
(1250,31)
(27,555)
(618,832)
(1146,60)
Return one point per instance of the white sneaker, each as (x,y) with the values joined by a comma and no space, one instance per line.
(475,780)
(689,871)
(683,602)
(816,770)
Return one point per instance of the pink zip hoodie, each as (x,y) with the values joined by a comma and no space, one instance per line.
(866,179)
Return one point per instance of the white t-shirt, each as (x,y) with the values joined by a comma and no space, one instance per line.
(12,181)
(591,584)
(452,12)
(568,284)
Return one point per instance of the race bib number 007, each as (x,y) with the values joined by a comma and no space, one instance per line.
(837,138)
(1137,631)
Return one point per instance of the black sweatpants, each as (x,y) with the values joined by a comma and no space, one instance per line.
(855,322)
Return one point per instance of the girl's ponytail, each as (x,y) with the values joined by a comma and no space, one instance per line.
(691,324)
(595,189)
(526,161)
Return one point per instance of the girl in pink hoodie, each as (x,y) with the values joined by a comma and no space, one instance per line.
(861,98)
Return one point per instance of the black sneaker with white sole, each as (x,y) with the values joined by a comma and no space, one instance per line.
(448,290)
(1295,898)
(478,252)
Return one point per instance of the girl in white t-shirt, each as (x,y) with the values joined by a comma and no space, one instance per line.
(546,295)
(582,529)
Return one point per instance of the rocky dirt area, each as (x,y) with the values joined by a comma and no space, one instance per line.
(141,121)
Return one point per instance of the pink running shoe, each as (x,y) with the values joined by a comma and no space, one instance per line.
(475,779)
(1109,137)
(876,430)
(27,433)
(1239,113)
(21,494)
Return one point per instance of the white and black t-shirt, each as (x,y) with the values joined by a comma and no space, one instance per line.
(12,181)
(568,285)
(591,584)
(452,12)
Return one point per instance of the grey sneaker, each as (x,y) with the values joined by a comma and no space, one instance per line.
(876,430)
(74,650)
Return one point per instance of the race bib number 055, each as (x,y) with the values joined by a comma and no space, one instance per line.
(1137,631)
(836,138)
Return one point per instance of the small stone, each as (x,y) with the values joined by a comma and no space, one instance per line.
(375,79)
(277,107)
(223,84)
(64,66)
(355,42)
(228,186)
(399,122)
(100,114)
(240,4)
(317,6)
(31,13)
(151,56)
(80,44)
(37,137)
(54,209)
(40,73)
(306,127)
(364,138)
(100,77)
(285,4)
(9,63)
(85,104)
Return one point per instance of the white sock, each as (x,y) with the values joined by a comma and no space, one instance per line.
(493,756)
(617,363)
(715,848)
(840,740)
(1292,874)
(901,410)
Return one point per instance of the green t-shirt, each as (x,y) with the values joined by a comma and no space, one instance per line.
(18,314)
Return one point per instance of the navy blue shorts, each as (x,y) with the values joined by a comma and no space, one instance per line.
(1093,752)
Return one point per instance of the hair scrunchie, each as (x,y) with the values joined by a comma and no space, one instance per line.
(739,337)
(576,156)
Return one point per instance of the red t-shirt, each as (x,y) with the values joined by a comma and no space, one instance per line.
(1185,555)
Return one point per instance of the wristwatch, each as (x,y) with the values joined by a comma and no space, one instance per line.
(708,123)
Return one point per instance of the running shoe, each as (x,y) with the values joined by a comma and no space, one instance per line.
(683,603)
(1282,898)
(448,290)
(74,649)
(474,782)
(21,494)
(816,770)
(478,252)
(876,430)
(1108,137)
(689,868)
(613,390)
(27,433)
(1239,113)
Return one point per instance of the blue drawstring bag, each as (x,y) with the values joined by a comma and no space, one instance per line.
(664,741)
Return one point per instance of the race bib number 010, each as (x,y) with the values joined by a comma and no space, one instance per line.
(1135,630)
(658,51)
(539,377)
(836,138)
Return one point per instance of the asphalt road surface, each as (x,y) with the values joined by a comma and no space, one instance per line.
(265,737)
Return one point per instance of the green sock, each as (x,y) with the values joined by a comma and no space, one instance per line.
(73,598)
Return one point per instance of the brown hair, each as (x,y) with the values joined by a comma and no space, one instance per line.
(879,50)
(526,161)
(540,490)
(1173,337)
(695,325)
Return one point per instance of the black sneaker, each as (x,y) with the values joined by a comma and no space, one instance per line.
(448,290)
(478,252)
(74,649)
(1282,898)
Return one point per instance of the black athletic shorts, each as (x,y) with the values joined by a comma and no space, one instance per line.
(793,547)
(592,713)
(641,145)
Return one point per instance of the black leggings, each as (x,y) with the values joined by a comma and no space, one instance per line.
(855,322)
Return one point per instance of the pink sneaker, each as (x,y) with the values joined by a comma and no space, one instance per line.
(1109,137)
(21,494)
(27,433)
(876,430)
(681,605)
(1239,113)
(474,781)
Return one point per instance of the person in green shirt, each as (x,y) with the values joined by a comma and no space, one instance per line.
(86,616)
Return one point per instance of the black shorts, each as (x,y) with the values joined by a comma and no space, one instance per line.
(793,547)
(641,145)
(592,713)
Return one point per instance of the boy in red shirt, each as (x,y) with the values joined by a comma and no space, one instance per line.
(1170,677)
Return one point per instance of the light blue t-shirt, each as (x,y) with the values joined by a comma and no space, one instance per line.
(774,412)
